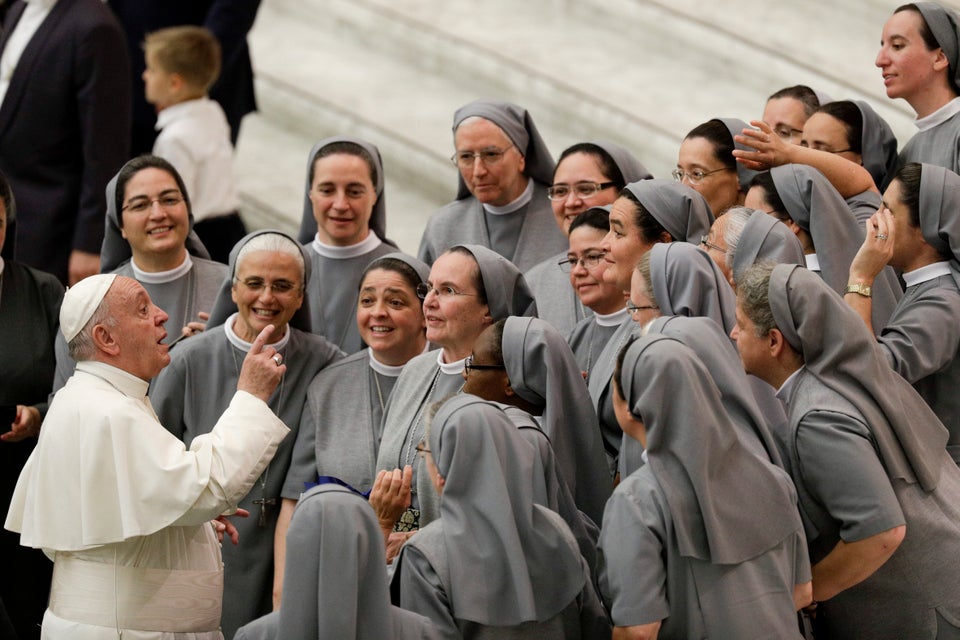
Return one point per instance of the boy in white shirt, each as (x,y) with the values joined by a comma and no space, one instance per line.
(182,63)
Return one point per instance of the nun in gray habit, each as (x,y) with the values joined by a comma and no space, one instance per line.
(334,584)
(684,281)
(685,215)
(763,239)
(527,233)
(426,379)
(818,208)
(704,539)
(340,427)
(867,455)
(939,144)
(495,564)
(196,387)
(182,293)
(557,302)
(336,270)
(543,371)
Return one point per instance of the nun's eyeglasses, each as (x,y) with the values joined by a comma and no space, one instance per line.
(632,309)
(489,157)
(583,190)
(587,261)
(789,133)
(693,177)
(704,240)
(468,365)
(422,449)
(424,289)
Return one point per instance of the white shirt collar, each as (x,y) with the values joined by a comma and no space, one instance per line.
(939,116)
(928,272)
(242,344)
(783,393)
(388,370)
(813,262)
(363,247)
(510,207)
(449,368)
(125,382)
(159,277)
(614,319)
(174,111)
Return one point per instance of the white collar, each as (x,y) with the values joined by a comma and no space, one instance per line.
(614,319)
(389,370)
(124,381)
(43,4)
(159,277)
(927,272)
(783,393)
(510,207)
(813,262)
(449,368)
(363,247)
(174,111)
(242,344)
(939,116)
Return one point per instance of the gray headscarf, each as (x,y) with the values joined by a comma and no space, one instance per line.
(841,353)
(334,583)
(543,371)
(509,561)
(687,282)
(944,24)
(735,126)
(720,357)
(224,306)
(630,168)
(814,204)
(939,208)
(680,210)
(517,124)
(423,271)
(506,288)
(765,239)
(378,218)
(878,146)
(115,250)
(700,459)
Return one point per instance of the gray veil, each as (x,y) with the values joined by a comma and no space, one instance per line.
(507,290)
(680,210)
(765,239)
(687,282)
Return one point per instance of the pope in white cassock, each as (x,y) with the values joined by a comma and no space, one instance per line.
(120,505)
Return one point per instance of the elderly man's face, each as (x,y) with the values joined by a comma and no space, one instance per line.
(268,290)
(754,350)
(138,330)
(155,218)
(497,181)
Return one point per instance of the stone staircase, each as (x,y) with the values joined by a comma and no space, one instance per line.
(638,72)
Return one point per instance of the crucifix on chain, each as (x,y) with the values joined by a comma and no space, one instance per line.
(263,503)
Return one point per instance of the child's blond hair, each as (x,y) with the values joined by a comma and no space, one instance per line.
(191,52)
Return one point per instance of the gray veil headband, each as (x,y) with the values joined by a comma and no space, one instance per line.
(507,290)
(679,209)
(224,306)
(735,126)
(944,24)
(630,168)
(378,218)
(517,124)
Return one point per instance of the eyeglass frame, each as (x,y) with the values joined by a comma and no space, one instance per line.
(468,365)
(282,291)
(791,133)
(596,186)
(497,156)
(424,288)
(422,448)
(632,308)
(174,198)
(705,242)
(680,174)
(567,264)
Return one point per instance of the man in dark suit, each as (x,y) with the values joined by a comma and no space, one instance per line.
(64,131)
(228,20)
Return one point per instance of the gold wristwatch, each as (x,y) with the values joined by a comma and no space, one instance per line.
(860,289)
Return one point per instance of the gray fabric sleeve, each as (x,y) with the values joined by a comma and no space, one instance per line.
(632,574)
(167,394)
(594,622)
(303,459)
(422,592)
(841,469)
(923,337)
(801,559)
